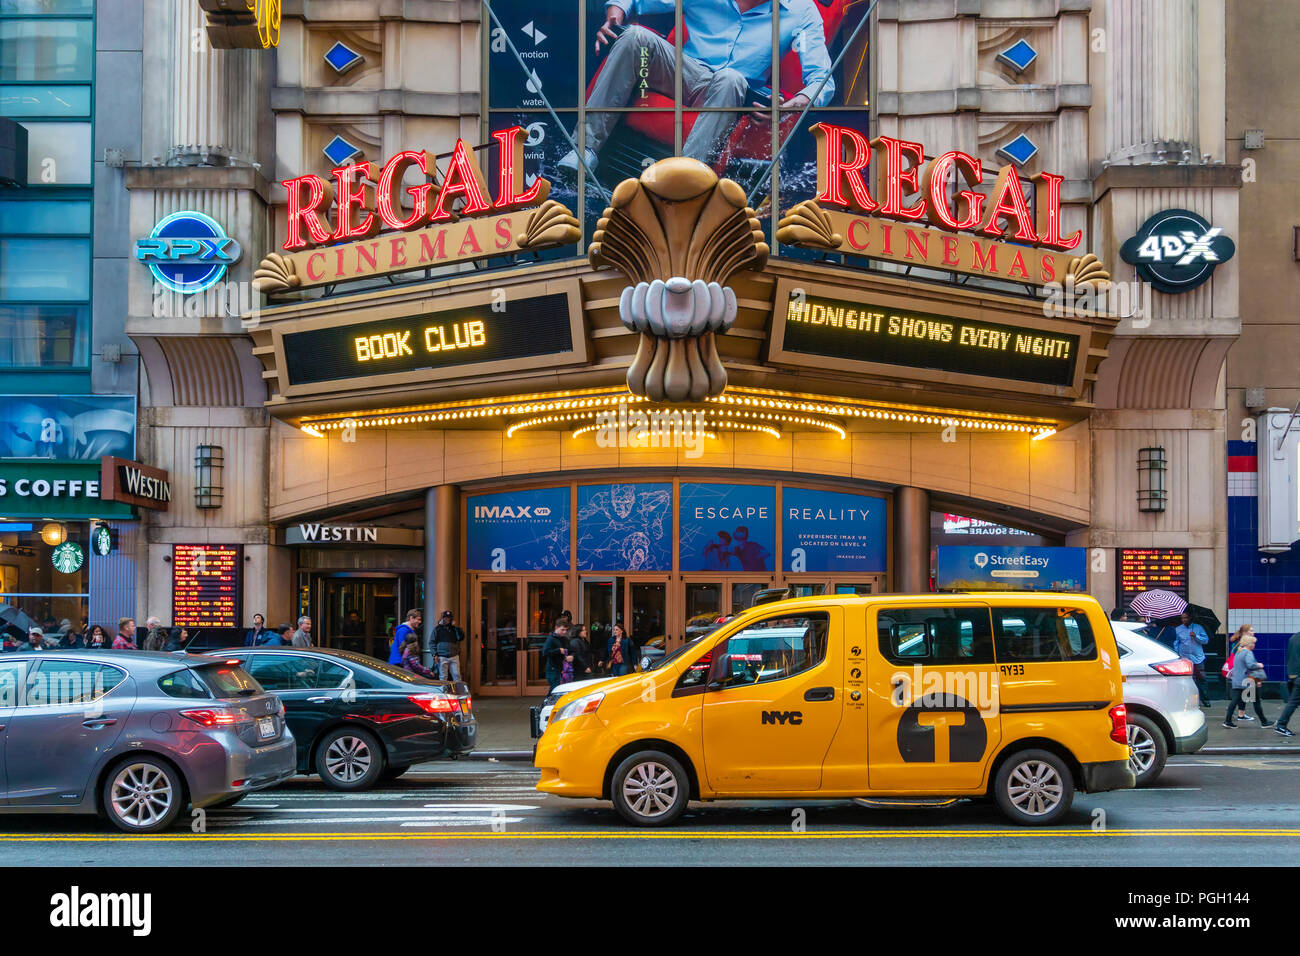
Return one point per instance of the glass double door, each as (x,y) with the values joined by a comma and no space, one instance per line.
(360,612)
(639,604)
(512,618)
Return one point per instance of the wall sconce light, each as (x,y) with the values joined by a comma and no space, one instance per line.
(1152,468)
(54,534)
(209,462)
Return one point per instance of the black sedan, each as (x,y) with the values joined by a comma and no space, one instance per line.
(359,720)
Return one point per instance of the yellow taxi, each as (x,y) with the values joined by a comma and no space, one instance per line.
(894,698)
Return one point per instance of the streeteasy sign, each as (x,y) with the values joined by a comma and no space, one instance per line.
(1011,569)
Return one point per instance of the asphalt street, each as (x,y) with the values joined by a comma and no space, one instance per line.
(1205,811)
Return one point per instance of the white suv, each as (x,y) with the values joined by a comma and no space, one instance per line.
(1164,714)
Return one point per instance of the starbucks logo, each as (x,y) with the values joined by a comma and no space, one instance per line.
(68,558)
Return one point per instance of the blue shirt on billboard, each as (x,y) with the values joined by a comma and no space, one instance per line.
(721,37)
(399,636)
(1189,642)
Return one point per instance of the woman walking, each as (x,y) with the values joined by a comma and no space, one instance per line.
(1233,644)
(580,651)
(1247,676)
(411,657)
(620,652)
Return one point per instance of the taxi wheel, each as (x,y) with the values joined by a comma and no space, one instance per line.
(1034,788)
(1147,749)
(650,789)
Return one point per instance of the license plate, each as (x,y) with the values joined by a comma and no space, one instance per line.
(266,727)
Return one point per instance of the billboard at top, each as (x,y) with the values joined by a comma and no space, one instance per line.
(1011,569)
(832,531)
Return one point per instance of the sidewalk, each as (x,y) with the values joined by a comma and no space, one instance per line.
(503,732)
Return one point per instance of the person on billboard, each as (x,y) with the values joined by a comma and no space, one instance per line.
(718,555)
(726,62)
(751,555)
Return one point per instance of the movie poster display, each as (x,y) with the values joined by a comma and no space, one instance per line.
(518,531)
(832,531)
(727,527)
(625,527)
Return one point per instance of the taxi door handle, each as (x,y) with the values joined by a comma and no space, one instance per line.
(819,693)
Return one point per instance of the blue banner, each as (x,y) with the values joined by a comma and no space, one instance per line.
(727,527)
(832,531)
(625,527)
(519,531)
(67,427)
(1011,569)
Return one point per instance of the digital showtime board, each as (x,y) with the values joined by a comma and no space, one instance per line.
(206,584)
(1141,569)
(471,336)
(831,328)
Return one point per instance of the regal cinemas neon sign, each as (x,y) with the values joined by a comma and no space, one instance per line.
(378,226)
(994,235)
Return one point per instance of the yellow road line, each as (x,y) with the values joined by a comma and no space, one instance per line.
(350,836)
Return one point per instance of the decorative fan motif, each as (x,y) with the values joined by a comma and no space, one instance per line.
(1088,270)
(275,273)
(678,233)
(550,224)
(808,225)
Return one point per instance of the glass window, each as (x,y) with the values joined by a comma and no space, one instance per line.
(52,101)
(183,684)
(697,675)
(40,51)
(32,590)
(49,336)
(932,635)
(48,217)
(1043,634)
(329,674)
(44,270)
(276,672)
(772,649)
(227,680)
(58,154)
(70,682)
(10,673)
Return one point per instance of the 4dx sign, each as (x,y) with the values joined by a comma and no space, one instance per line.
(1176,250)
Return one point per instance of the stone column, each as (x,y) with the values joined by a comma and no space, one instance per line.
(441,560)
(911,540)
(214,102)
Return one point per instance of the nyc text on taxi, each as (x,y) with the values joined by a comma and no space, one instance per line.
(1014,696)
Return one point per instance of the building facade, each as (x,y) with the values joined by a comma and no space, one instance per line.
(448,380)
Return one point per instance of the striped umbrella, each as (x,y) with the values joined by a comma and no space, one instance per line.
(1158,603)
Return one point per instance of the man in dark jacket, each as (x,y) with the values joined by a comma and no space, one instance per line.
(446,646)
(1293,682)
(258,630)
(554,652)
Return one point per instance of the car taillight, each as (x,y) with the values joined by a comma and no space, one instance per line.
(1119,724)
(1181,667)
(431,704)
(212,718)
(466,705)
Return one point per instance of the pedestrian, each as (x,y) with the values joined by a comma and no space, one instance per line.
(125,640)
(1233,644)
(410,659)
(71,639)
(446,645)
(252,635)
(1247,679)
(35,640)
(412,624)
(621,660)
(96,639)
(302,636)
(580,650)
(156,639)
(1189,643)
(177,639)
(1292,684)
(554,652)
(278,637)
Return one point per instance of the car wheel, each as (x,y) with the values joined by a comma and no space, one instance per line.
(392,773)
(650,789)
(1147,749)
(143,795)
(349,759)
(1034,788)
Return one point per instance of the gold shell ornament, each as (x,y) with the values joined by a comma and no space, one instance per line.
(275,273)
(808,225)
(1088,270)
(550,224)
(678,233)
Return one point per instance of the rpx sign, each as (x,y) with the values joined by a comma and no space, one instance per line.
(187,252)
(1177,250)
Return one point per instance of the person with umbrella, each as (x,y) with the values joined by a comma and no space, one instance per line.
(1189,644)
